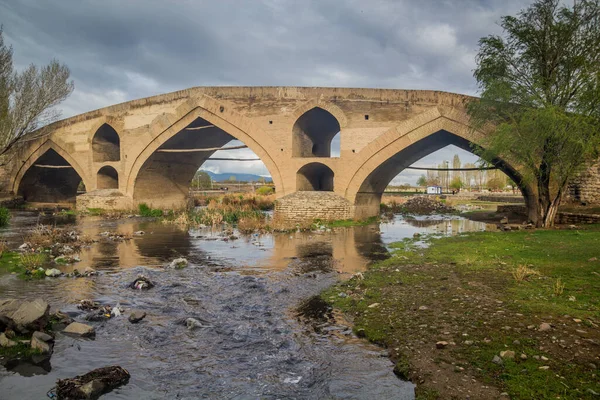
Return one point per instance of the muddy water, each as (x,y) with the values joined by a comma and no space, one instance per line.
(255,342)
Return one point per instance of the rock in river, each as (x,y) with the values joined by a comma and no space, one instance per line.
(93,384)
(79,329)
(136,317)
(53,272)
(42,341)
(24,316)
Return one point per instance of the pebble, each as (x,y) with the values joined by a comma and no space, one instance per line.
(544,326)
(136,317)
(53,272)
(507,354)
(441,344)
(497,360)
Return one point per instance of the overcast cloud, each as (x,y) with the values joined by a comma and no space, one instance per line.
(122,50)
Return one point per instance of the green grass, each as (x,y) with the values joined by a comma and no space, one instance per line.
(25,266)
(9,263)
(4,217)
(480,266)
(21,350)
(555,254)
(146,211)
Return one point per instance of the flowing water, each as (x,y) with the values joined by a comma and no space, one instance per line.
(264,334)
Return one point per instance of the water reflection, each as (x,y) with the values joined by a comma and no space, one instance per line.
(244,288)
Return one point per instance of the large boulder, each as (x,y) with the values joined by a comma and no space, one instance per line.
(24,316)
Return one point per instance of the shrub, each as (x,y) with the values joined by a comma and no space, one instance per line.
(4,216)
(522,272)
(146,211)
(265,190)
(32,260)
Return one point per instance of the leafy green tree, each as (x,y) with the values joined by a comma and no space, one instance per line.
(540,98)
(422,181)
(456,183)
(201,180)
(28,98)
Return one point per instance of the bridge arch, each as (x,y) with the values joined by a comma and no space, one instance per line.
(407,143)
(314,130)
(106,144)
(315,177)
(107,178)
(43,183)
(162,179)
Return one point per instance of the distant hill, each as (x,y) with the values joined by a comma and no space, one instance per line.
(240,177)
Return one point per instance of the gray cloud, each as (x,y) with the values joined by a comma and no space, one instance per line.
(122,50)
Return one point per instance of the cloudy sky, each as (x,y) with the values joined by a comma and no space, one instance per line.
(120,50)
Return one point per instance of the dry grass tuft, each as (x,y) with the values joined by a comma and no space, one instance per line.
(522,272)
(32,260)
(559,287)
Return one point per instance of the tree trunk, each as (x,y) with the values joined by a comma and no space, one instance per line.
(551,214)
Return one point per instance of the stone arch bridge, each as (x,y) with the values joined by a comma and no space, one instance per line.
(139,151)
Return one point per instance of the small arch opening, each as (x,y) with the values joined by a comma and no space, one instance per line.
(313,133)
(106,144)
(108,178)
(314,177)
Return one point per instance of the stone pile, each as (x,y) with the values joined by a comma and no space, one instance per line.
(426,205)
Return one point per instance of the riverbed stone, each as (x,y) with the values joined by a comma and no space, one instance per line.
(92,389)
(6,342)
(28,315)
(41,341)
(136,316)
(53,272)
(79,329)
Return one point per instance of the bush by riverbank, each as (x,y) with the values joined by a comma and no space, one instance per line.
(486,313)
(4,217)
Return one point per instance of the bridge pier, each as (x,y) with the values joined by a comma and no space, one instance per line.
(307,206)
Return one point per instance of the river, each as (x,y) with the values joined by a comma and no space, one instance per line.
(264,337)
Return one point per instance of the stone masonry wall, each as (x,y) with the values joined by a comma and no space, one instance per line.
(307,206)
(586,187)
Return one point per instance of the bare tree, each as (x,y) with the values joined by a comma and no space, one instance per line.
(28,98)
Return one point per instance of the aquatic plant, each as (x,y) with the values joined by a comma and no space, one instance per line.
(32,260)
(146,211)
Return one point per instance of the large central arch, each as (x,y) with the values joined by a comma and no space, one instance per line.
(161,179)
(407,143)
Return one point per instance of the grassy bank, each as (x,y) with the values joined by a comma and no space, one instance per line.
(479,295)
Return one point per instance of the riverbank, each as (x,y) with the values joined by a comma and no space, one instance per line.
(487,314)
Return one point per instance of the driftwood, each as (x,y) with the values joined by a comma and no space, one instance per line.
(93,384)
